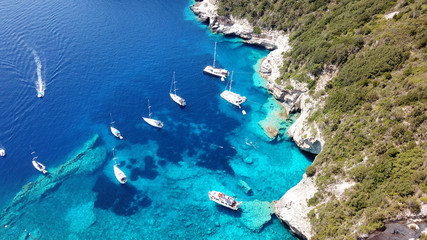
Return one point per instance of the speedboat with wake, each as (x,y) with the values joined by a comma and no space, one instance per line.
(151,121)
(215,71)
(224,200)
(232,97)
(120,175)
(37,165)
(114,130)
(40,93)
(179,100)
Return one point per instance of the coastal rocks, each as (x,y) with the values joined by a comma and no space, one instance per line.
(256,214)
(206,11)
(306,134)
(89,158)
(292,208)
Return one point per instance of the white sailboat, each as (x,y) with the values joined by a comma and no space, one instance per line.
(232,97)
(37,165)
(114,130)
(215,71)
(120,175)
(179,100)
(2,152)
(224,200)
(151,121)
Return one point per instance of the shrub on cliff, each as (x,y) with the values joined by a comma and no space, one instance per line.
(310,171)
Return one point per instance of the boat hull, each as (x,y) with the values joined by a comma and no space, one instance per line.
(224,200)
(120,175)
(2,152)
(217,72)
(233,98)
(153,122)
(40,167)
(116,132)
(179,100)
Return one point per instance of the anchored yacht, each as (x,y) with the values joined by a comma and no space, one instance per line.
(120,175)
(232,97)
(114,130)
(179,100)
(37,165)
(151,121)
(215,71)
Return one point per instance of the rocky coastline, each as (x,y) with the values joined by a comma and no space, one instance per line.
(292,208)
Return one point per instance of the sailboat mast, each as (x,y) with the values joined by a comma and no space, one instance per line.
(111,118)
(174,83)
(149,112)
(214,55)
(231,81)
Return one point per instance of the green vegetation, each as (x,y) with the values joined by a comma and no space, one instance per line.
(375,117)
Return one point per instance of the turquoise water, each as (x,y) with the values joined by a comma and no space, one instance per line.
(108,57)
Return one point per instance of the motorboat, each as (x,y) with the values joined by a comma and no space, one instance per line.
(2,152)
(224,200)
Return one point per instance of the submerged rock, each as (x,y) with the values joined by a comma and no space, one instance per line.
(81,217)
(88,159)
(245,187)
(256,214)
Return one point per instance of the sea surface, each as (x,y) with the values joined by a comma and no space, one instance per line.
(102,57)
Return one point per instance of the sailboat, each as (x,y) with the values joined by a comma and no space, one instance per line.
(114,130)
(40,167)
(179,100)
(120,175)
(232,97)
(151,121)
(215,71)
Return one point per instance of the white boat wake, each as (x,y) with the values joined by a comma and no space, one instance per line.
(40,84)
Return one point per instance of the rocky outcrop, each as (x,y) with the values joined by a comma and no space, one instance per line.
(292,208)
(305,133)
(206,11)
(88,159)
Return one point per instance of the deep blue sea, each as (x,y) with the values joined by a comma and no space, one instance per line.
(100,57)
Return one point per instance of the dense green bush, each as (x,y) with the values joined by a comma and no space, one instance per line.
(310,171)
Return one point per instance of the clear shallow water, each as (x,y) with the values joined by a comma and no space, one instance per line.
(103,57)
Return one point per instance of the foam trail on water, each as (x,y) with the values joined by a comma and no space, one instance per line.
(40,84)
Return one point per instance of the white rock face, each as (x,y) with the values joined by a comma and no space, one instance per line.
(304,133)
(292,207)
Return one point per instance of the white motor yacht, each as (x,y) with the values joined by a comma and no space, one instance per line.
(224,200)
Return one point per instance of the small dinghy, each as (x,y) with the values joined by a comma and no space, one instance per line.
(120,175)
(2,152)
(232,97)
(224,200)
(114,130)
(215,71)
(37,165)
(151,121)
(179,100)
